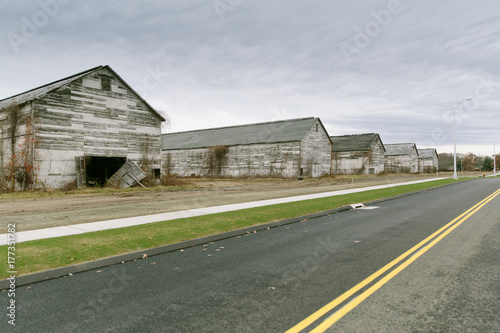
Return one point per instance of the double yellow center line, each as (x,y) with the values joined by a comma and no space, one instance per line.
(417,251)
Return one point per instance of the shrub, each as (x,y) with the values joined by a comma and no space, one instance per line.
(70,186)
(171,180)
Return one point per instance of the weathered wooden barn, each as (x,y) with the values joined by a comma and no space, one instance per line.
(428,160)
(288,148)
(83,127)
(357,154)
(401,158)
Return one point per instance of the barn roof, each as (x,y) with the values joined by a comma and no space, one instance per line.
(427,153)
(42,91)
(400,148)
(355,142)
(270,132)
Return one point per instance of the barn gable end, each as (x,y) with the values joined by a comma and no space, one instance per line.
(358,154)
(401,158)
(92,120)
(428,160)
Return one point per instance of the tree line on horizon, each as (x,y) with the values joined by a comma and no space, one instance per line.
(468,162)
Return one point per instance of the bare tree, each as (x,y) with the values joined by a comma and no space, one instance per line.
(470,161)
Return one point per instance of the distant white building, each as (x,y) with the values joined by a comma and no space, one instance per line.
(401,158)
(357,154)
(428,160)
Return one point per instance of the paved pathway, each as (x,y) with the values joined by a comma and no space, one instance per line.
(24,236)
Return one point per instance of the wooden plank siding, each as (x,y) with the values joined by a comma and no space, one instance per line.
(81,118)
(316,152)
(306,156)
(5,133)
(257,160)
(428,160)
(358,154)
(401,158)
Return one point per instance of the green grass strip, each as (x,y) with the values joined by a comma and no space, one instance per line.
(39,255)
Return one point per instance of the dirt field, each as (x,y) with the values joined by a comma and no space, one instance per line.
(50,211)
(56,210)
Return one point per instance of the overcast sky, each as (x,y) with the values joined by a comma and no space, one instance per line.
(397,68)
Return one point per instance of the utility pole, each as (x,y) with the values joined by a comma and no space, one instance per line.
(455,176)
(494,160)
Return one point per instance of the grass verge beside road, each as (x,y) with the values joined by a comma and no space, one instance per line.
(52,253)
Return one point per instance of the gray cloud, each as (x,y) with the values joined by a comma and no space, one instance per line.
(259,60)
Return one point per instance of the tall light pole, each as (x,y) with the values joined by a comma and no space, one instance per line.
(455,176)
(494,160)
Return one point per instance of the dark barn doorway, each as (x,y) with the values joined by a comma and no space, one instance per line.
(99,169)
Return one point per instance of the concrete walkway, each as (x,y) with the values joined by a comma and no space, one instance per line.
(24,236)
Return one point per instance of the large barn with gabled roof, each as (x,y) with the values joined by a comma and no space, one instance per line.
(401,158)
(428,160)
(357,154)
(287,148)
(83,127)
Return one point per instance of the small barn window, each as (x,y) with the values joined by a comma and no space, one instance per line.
(106,83)
(317,127)
(157,173)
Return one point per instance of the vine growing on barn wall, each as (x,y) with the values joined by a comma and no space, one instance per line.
(336,159)
(167,165)
(147,161)
(20,168)
(13,114)
(27,177)
(216,159)
(283,165)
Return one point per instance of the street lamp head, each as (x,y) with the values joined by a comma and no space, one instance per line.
(466,99)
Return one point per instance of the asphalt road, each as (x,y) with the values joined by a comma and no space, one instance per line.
(272,280)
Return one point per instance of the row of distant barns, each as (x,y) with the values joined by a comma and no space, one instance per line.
(289,148)
(86,126)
